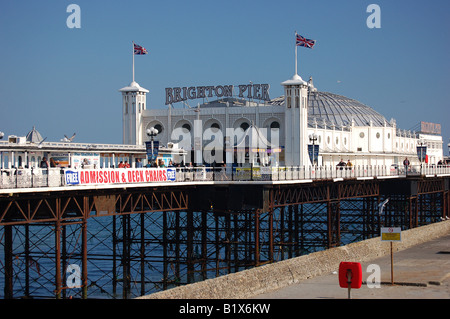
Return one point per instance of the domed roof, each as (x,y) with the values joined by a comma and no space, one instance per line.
(338,110)
(34,136)
(133,87)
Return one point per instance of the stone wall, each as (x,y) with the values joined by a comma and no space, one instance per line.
(258,280)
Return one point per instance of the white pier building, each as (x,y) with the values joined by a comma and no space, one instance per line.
(344,128)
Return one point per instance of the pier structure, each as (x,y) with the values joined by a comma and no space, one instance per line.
(127,240)
(83,220)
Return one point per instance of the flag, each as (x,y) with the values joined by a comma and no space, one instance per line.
(138,50)
(303,42)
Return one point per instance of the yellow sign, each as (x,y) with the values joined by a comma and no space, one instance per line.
(393,237)
(391,234)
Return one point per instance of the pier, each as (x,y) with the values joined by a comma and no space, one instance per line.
(124,240)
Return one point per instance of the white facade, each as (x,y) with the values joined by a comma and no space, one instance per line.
(434,144)
(354,132)
(296,122)
(134,103)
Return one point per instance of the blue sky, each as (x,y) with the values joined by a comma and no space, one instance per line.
(64,80)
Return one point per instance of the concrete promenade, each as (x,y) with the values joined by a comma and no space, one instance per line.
(419,272)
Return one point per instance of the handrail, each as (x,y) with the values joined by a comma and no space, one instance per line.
(58,177)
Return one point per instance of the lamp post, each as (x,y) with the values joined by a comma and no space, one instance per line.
(152,132)
(420,150)
(313,138)
(420,153)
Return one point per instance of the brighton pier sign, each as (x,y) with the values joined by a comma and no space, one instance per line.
(251,91)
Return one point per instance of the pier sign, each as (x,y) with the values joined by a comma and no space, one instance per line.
(391,234)
(251,91)
(119,176)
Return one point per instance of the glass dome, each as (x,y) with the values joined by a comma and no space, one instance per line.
(333,109)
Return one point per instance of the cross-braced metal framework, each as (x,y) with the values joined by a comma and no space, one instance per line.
(50,233)
(359,219)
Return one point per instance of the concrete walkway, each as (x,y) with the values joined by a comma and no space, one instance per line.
(420,272)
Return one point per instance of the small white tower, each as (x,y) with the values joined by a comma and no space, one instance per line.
(134,102)
(296,121)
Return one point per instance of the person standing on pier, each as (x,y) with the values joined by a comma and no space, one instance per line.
(44,163)
(406,163)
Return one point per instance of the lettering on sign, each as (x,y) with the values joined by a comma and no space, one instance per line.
(431,128)
(116,176)
(251,91)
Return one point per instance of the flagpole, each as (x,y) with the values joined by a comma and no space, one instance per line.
(132,51)
(296,52)
(296,59)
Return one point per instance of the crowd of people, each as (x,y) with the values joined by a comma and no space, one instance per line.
(155,164)
(161,164)
(123,164)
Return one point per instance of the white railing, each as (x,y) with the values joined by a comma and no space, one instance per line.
(58,177)
(29,178)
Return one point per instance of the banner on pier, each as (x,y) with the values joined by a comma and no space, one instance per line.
(119,176)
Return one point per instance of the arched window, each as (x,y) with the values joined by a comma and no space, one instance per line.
(186,127)
(274,125)
(215,127)
(244,126)
(159,128)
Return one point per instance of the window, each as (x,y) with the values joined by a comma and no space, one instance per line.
(361,135)
(289,99)
(159,128)
(274,125)
(378,135)
(244,126)
(186,127)
(215,127)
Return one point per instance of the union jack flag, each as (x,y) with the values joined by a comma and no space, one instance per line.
(138,50)
(303,42)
